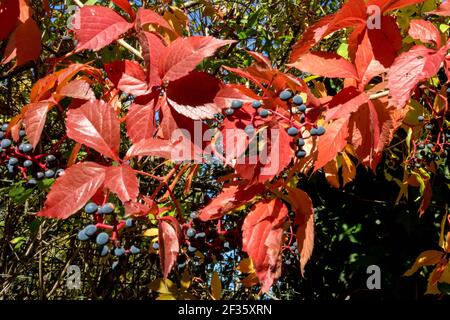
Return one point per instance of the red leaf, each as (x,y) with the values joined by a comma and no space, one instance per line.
(304,222)
(24,43)
(153,147)
(247,75)
(169,246)
(391,5)
(443,10)
(262,235)
(9,16)
(424,31)
(77,89)
(97,26)
(152,47)
(426,199)
(229,93)
(128,77)
(34,120)
(184,54)
(332,142)
(146,16)
(411,67)
(95,125)
(325,64)
(141,120)
(193,95)
(122,181)
(125,6)
(72,190)
(261,59)
(230,198)
(348,100)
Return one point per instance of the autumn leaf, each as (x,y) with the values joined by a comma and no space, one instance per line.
(9,16)
(426,258)
(95,125)
(141,123)
(330,144)
(34,120)
(128,76)
(262,234)
(72,190)
(168,234)
(424,31)
(122,181)
(216,286)
(77,89)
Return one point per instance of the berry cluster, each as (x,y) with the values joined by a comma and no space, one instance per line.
(19,158)
(105,232)
(296,107)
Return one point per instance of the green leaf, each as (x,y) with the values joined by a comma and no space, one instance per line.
(19,194)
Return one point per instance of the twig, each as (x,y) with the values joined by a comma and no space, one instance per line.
(379,95)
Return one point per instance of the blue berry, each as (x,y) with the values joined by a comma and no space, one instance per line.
(2,134)
(226,245)
(155,245)
(292,131)
(103,250)
(4,127)
(27,163)
(115,265)
(13,161)
(256,104)
(313,132)
(264,113)
(22,133)
(301,154)
(200,235)
(10,168)
(90,230)
(420,118)
(297,100)
(302,108)
(229,111)
(32,182)
(119,251)
(302,118)
(6,143)
(82,236)
(285,95)
(134,250)
(129,223)
(27,147)
(320,130)
(190,232)
(102,238)
(192,249)
(193,215)
(59,172)
(107,208)
(50,158)
(421,146)
(49,173)
(90,208)
(249,129)
(300,142)
(429,126)
(40,175)
(236,104)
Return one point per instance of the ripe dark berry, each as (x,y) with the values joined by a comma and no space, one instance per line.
(301,154)
(302,118)
(236,104)
(50,158)
(2,134)
(320,131)
(297,100)
(129,223)
(13,161)
(155,245)
(27,147)
(82,236)
(10,169)
(190,232)
(90,230)
(313,132)
(107,208)
(4,127)
(421,146)
(40,175)
(302,108)
(229,111)
(119,251)
(6,143)
(31,183)
(192,249)
(115,265)
(102,238)
(264,113)
(256,104)
(429,127)
(193,215)
(22,133)
(292,131)
(420,118)
(59,173)
(49,173)
(27,163)
(90,208)
(134,250)
(103,251)
(200,235)
(249,129)
(285,95)
(300,142)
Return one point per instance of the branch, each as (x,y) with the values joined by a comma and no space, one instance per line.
(379,95)
(122,42)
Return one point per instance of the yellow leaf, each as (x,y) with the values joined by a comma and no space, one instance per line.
(250,280)
(173,22)
(331,173)
(216,286)
(348,169)
(426,258)
(445,277)
(185,280)
(442,234)
(166,296)
(152,232)
(162,286)
(246,266)
(435,275)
